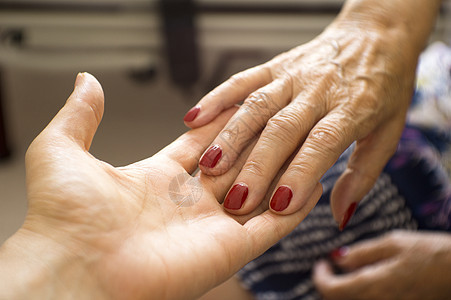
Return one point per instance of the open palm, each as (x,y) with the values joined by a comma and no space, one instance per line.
(147,230)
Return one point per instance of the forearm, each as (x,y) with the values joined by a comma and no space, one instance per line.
(35,267)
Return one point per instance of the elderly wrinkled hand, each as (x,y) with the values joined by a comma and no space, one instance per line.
(352,83)
(148,230)
(400,265)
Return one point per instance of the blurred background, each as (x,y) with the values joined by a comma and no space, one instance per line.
(154,59)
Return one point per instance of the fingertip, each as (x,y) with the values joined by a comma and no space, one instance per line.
(85,79)
(191,115)
(89,90)
(347,192)
(201,115)
(322,264)
(196,140)
(79,79)
(338,254)
(347,216)
(205,111)
(323,277)
(83,111)
(77,120)
(286,200)
(210,158)
(322,270)
(217,160)
(364,167)
(236,197)
(281,199)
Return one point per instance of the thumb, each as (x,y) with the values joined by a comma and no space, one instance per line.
(364,167)
(368,252)
(78,120)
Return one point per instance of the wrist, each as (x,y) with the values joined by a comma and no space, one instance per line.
(37,267)
(406,23)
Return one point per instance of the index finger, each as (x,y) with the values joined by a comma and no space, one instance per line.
(369,252)
(188,148)
(229,93)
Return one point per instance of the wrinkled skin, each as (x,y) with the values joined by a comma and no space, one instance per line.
(94,231)
(400,265)
(352,83)
(323,97)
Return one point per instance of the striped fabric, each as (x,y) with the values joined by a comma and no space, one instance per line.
(284,271)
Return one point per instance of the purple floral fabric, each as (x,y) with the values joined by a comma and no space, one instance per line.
(421,167)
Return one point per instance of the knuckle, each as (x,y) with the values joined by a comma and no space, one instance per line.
(328,137)
(261,106)
(302,167)
(322,141)
(238,79)
(372,103)
(228,133)
(236,135)
(285,127)
(255,168)
(366,104)
(257,102)
(258,98)
(323,144)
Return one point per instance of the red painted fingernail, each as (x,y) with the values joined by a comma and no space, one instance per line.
(339,253)
(281,198)
(348,215)
(192,114)
(236,196)
(211,157)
